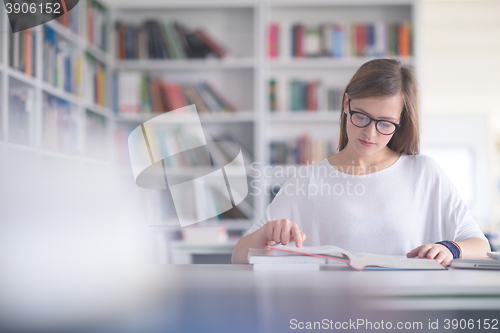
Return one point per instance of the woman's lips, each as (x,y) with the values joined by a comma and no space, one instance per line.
(366,143)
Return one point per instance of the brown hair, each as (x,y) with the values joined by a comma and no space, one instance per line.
(387,77)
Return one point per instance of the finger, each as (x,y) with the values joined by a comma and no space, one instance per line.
(433,252)
(296,234)
(413,252)
(277,232)
(285,233)
(304,236)
(423,251)
(443,258)
(269,230)
(271,243)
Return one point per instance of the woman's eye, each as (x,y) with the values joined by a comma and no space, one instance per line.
(384,124)
(361,117)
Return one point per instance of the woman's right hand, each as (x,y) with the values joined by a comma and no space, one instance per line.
(282,231)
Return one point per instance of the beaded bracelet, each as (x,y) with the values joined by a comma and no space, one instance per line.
(453,247)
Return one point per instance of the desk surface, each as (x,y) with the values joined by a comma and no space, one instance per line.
(234,298)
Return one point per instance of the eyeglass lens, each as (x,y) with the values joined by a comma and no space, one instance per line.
(361,120)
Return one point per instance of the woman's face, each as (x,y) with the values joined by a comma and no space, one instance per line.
(367,141)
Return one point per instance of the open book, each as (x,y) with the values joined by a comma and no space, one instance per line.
(360,261)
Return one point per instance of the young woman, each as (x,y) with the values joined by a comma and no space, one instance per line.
(377,194)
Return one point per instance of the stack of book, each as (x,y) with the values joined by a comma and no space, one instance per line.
(62,64)
(140,93)
(303,96)
(97,24)
(155,40)
(22,51)
(96,82)
(272,260)
(303,150)
(378,39)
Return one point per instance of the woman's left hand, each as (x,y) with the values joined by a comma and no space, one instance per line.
(432,251)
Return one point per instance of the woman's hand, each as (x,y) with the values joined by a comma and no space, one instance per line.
(283,231)
(432,251)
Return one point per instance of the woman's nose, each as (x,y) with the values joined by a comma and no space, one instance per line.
(371,130)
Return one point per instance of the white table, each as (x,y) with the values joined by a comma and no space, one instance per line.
(233,298)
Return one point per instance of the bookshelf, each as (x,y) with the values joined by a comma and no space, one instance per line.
(90,104)
(45,102)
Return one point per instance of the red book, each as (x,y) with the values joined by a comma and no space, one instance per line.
(168,96)
(215,47)
(299,41)
(360,40)
(156,92)
(404,38)
(273,40)
(312,96)
(29,52)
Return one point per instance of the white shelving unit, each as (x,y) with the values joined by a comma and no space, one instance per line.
(242,76)
(82,104)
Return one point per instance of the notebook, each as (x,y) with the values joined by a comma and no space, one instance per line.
(479,263)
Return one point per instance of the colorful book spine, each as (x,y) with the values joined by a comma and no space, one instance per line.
(62,63)
(301,151)
(303,96)
(96,82)
(377,39)
(22,51)
(139,93)
(97,22)
(172,40)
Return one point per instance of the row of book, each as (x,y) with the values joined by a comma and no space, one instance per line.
(22,51)
(301,95)
(63,66)
(96,135)
(140,93)
(97,24)
(301,151)
(21,111)
(60,125)
(96,87)
(378,39)
(172,40)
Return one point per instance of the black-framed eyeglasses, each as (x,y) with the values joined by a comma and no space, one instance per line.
(361,120)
